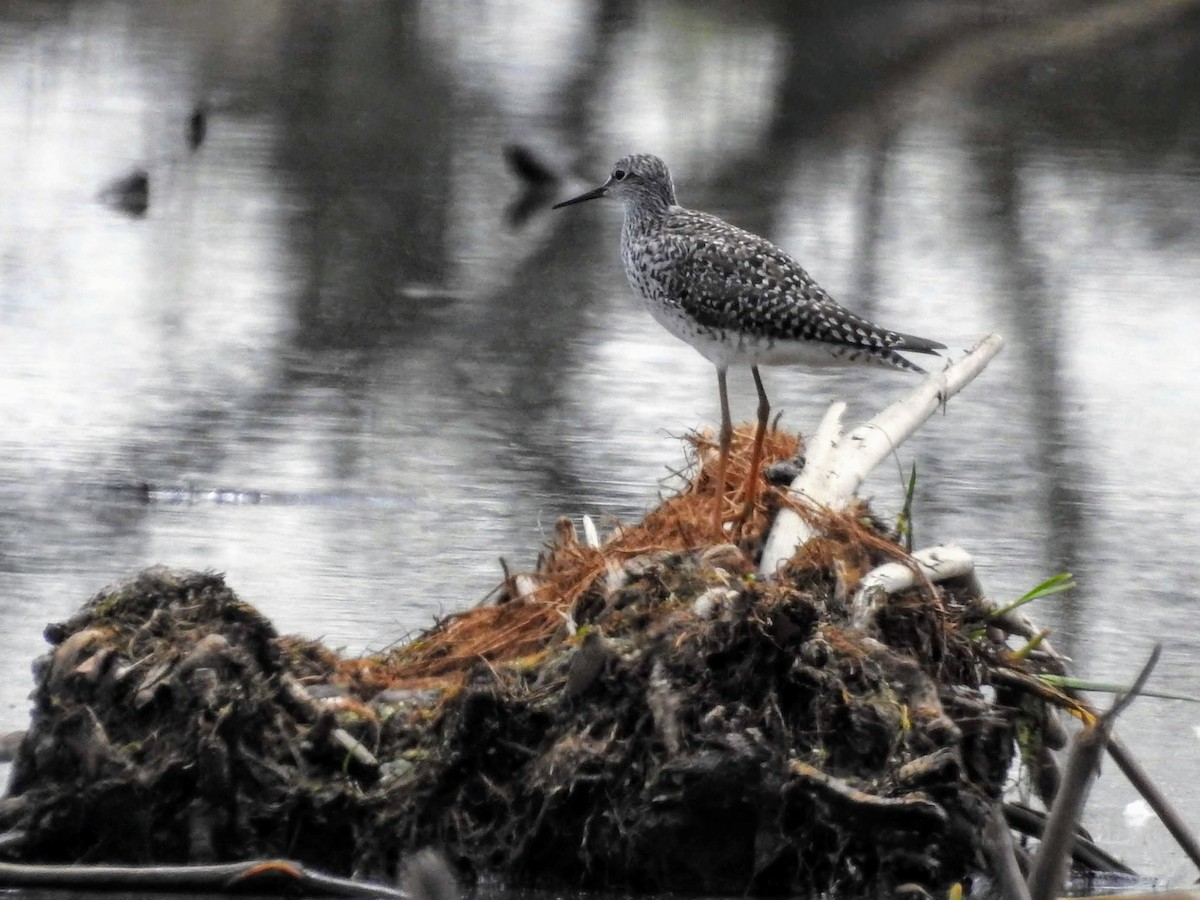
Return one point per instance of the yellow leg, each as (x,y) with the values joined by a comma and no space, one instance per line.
(760,435)
(723,459)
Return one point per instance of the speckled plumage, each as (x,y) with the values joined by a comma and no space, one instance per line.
(734,296)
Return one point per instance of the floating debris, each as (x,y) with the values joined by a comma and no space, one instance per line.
(197,127)
(129,194)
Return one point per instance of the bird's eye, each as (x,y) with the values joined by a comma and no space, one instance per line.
(619,174)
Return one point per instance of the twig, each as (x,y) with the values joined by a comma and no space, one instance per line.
(1002,854)
(1084,852)
(1016,622)
(836,467)
(326,729)
(1050,864)
(273,876)
(1162,807)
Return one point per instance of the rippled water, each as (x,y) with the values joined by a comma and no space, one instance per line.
(327,363)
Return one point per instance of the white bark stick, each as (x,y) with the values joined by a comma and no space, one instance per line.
(939,563)
(835,467)
(591,537)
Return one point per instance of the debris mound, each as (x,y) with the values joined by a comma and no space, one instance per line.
(641,712)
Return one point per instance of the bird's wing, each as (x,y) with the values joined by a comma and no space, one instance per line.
(731,280)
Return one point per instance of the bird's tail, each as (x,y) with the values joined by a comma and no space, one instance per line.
(908,343)
(914,344)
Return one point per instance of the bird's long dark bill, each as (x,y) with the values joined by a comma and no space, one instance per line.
(590,195)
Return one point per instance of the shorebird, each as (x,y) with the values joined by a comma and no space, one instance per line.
(736,297)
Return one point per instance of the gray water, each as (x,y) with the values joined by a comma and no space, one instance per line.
(326,362)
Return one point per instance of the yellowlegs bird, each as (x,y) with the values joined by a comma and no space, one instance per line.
(734,296)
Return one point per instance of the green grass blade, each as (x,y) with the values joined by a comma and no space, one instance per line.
(1063,581)
(904,522)
(1109,687)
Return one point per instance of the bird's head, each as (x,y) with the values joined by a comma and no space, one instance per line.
(640,180)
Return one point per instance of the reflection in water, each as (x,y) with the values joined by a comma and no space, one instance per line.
(1038,326)
(324,306)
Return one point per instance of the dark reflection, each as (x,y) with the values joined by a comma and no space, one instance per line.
(197,127)
(871,226)
(611,24)
(842,65)
(129,194)
(539,183)
(1038,326)
(1136,98)
(372,166)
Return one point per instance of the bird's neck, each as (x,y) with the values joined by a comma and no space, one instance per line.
(645,217)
